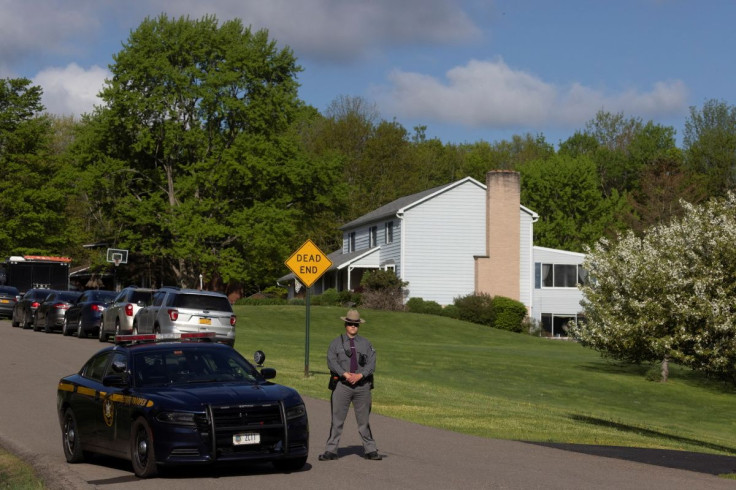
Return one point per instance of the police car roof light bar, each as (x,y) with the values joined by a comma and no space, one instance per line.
(164,337)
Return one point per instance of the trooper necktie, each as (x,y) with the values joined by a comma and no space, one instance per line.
(353,357)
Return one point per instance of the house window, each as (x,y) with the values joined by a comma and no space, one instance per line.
(391,267)
(372,236)
(556,325)
(389,231)
(558,275)
(351,242)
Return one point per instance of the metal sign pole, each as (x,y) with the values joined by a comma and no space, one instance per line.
(306,342)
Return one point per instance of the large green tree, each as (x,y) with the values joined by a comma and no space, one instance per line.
(710,145)
(194,160)
(565,191)
(33,190)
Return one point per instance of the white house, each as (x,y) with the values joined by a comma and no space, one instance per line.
(458,239)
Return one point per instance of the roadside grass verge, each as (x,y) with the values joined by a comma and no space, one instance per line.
(472,379)
(16,474)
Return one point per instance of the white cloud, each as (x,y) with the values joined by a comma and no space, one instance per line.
(493,95)
(71,90)
(341,30)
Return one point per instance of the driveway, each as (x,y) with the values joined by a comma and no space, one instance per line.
(415,457)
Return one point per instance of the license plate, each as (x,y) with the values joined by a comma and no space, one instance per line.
(4,301)
(205,321)
(246,438)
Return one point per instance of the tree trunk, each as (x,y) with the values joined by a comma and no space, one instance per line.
(665,369)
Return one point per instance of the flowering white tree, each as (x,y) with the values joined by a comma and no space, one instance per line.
(669,295)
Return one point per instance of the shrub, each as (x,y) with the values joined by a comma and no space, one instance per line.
(260,301)
(476,308)
(415,305)
(432,308)
(330,297)
(348,298)
(382,290)
(451,311)
(509,314)
(275,292)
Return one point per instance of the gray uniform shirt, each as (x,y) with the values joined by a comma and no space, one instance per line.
(338,360)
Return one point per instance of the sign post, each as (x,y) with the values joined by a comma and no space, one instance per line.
(308,263)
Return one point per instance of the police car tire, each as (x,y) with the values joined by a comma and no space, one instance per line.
(80,331)
(292,464)
(102,337)
(70,438)
(141,450)
(65,328)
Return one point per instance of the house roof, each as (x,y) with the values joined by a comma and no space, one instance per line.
(394,207)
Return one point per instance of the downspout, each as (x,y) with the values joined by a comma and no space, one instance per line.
(402,249)
(532,270)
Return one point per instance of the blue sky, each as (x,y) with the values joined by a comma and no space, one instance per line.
(468,70)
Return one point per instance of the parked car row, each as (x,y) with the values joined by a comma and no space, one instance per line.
(131,311)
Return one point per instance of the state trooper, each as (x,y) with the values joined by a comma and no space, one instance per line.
(351,360)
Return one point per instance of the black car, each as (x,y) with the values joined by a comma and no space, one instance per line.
(49,315)
(180,403)
(25,309)
(85,315)
(9,296)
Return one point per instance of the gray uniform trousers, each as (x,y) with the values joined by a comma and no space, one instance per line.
(342,396)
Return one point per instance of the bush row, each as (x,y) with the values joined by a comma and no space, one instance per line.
(498,311)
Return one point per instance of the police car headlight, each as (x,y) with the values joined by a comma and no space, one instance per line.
(179,418)
(296,412)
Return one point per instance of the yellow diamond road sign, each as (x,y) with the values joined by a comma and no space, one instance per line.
(308,263)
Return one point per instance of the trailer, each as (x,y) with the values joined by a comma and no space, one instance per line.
(36,271)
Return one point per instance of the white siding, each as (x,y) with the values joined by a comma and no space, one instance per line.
(557,301)
(440,238)
(526,266)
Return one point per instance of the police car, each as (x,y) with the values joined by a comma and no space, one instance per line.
(180,399)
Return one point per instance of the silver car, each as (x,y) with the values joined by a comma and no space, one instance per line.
(117,319)
(176,310)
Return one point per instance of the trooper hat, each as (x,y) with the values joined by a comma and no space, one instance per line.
(352,317)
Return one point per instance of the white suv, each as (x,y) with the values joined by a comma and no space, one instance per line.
(118,317)
(176,310)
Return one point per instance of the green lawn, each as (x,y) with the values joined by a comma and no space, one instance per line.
(477,380)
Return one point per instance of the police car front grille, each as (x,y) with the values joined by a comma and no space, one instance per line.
(246,416)
(266,419)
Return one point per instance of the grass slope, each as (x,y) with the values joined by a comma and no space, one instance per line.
(468,378)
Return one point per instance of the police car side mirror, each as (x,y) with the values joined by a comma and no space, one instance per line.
(259,357)
(268,373)
(115,380)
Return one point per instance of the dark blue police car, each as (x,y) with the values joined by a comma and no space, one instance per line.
(180,403)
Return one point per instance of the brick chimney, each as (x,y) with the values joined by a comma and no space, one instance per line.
(498,273)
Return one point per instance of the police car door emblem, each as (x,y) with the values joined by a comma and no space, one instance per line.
(108,411)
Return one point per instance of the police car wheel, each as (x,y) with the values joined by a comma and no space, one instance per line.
(102,337)
(293,464)
(141,450)
(65,328)
(80,331)
(70,437)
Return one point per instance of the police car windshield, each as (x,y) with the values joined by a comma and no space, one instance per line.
(192,365)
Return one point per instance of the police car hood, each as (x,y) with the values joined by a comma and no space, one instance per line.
(195,396)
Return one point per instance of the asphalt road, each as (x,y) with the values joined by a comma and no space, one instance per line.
(415,457)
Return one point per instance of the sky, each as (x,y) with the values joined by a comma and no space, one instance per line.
(468,70)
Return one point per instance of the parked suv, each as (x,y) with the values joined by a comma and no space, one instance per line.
(176,310)
(117,319)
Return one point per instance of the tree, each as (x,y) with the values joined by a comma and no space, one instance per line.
(709,141)
(668,295)
(197,148)
(566,193)
(33,192)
